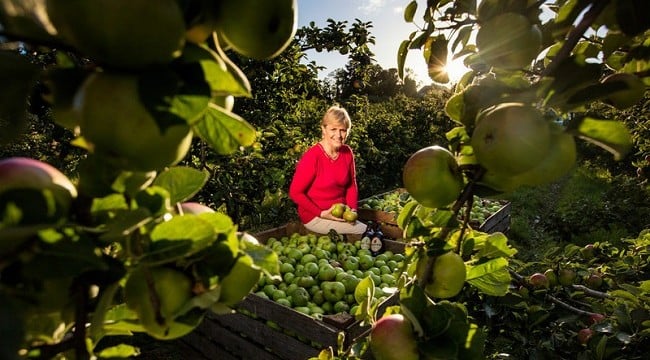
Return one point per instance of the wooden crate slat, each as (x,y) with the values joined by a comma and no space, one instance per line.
(499,221)
(206,347)
(243,347)
(290,319)
(282,345)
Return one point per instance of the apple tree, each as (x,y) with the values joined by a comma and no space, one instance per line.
(534,68)
(118,247)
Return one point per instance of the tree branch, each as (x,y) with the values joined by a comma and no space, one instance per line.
(576,34)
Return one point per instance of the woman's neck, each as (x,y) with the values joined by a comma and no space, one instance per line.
(331,151)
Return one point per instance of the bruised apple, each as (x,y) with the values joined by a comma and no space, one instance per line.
(157,295)
(118,126)
(392,338)
(511,138)
(432,177)
(258,29)
(121,33)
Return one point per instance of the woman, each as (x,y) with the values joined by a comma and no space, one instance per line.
(325,175)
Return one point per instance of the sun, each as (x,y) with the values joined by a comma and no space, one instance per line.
(456,69)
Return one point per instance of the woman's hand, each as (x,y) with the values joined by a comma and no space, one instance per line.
(327,214)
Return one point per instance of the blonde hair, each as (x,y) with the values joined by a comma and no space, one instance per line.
(338,114)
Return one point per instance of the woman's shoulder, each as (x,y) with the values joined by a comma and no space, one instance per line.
(345,149)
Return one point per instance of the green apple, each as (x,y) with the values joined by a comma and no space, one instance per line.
(121,33)
(511,138)
(566,277)
(351,263)
(117,125)
(257,29)
(447,277)
(338,210)
(392,338)
(350,215)
(366,261)
(333,291)
(559,160)
(432,177)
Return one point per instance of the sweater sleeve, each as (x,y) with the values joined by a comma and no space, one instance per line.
(302,179)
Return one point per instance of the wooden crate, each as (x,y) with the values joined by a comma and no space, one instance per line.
(240,336)
(497,222)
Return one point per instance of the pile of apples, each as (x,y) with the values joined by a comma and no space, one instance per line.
(482,209)
(319,275)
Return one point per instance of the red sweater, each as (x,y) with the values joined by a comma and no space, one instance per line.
(319,182)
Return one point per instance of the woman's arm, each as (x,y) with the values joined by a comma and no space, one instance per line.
(302,180)
(352,192)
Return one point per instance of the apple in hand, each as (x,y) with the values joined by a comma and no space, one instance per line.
(338,210)
(392,338)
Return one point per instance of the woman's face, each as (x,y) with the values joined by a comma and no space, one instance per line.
(334,133)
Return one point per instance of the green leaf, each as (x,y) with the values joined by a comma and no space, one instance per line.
(224,131)
(463,37)
(18,77)
(155,199)
(96,329)
(610,135)
(125,223)
(119,351)
(264,258)
(410,10)
(180,236)
(181,182)
(169,99)
(401,57)
(491,277)
(455,106)
(496,246)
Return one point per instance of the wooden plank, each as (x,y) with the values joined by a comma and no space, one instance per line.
(499,221)
(280,344)
(240,347)
(290,319)
(206,347)
(377,216)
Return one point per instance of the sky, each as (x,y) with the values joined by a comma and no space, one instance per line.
(389,30)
